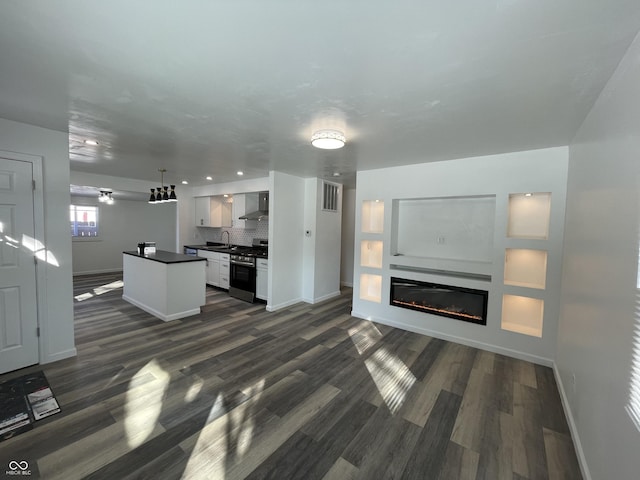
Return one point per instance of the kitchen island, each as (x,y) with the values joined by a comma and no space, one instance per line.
(165,284)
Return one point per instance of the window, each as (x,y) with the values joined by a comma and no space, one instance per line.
(84,220)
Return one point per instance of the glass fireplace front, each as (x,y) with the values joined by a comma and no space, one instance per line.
(461,303)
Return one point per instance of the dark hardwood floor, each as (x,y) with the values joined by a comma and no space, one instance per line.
(308,392)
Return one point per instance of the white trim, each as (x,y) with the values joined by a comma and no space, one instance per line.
(61,356)
(328,296)
(94,272)
(577,444)
(346,284)
(160,315)
(547,362)
(273,308)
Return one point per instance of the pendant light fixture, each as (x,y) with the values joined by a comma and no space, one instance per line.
(105,197)
(162,194)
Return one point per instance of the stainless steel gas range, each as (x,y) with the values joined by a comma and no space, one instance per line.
(242,265)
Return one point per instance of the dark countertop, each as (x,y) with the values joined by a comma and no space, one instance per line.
(163,256)
(214,248)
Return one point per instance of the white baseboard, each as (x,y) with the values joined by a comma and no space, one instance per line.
(346,284)
(547,362)
(95,272)
(162,316)
(54,357)
(328,296)
(577,444)
(280,306)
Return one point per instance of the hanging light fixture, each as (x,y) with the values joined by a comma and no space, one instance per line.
(328,139)
(105,197)
(162,194)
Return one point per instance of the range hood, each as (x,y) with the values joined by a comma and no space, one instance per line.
(263,209)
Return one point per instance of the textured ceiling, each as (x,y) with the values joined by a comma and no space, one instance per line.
(211,87)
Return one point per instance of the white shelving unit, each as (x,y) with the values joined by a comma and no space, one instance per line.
(526,268)
(522,315)
(529,215)
(371,253)
(371,287)
(372,222)
(372,216)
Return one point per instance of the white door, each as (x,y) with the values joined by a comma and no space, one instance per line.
(18,307)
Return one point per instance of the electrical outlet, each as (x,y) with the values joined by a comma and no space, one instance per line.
(440,240)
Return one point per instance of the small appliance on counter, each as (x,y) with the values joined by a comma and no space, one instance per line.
(145,248)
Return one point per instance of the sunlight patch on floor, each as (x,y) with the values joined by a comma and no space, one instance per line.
(142,409)
(225,439)
(391,376)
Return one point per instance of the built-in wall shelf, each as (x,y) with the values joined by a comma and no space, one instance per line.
(371,253)
(443,273)
(371,287)
(529,215)
(522,315)
(525,268)
(372,216)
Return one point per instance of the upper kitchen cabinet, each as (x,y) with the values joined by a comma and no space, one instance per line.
(213,211)
(243,204)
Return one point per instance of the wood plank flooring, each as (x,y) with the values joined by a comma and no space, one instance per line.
(308,392)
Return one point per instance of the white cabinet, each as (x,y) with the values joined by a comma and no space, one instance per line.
(213,266)
(217,268)
(244,203)
(224,271)
(262,283)
(213,211)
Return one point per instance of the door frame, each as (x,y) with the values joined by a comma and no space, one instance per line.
(39,234)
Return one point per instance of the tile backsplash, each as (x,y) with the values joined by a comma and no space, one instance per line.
(238,236)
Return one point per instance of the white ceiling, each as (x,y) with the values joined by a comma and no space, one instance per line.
(203,87)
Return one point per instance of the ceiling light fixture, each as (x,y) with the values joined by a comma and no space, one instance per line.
(105,197)
(328,139)
(209,177)
(240,173)
(184,182)
(162,194)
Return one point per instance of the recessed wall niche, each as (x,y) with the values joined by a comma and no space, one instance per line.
(371,287)
(372,216)
(525,267)
(522,315)
(452,228)
(529,215)
(371,253)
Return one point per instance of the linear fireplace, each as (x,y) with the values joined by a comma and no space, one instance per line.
(450,301)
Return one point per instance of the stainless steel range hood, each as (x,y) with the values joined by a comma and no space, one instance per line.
(263,209)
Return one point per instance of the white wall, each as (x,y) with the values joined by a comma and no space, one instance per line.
(55,292)
(321,249)
(531,171)
(348,232)
(600,319)
(121,227)
(286,233)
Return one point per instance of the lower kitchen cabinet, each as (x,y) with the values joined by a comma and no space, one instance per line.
(217,268)
(262,282)
(224,271)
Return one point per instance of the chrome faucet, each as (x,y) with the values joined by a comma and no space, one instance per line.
(228,239)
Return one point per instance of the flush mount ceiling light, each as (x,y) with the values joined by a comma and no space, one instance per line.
(328,139)
(163,195)
(105,197)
